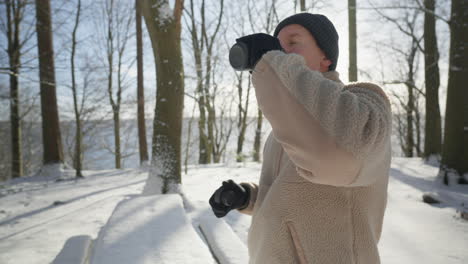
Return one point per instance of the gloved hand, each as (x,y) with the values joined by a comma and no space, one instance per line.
(229,196)
(257,45)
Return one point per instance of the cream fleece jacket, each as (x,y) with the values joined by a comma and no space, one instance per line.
(323,185)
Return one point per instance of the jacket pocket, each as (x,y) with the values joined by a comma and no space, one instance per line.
(299,251)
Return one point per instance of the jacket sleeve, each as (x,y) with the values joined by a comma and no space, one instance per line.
(253,190)
(326,130)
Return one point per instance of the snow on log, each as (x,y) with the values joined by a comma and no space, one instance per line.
(150,229)
(75,251)
(223,242)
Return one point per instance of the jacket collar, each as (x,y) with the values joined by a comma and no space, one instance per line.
(332,75)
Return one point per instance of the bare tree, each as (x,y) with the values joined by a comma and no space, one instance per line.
(223,123)
(454,153)
(203,43)
(267,25)
(455,147)
(89,98)
(243,94)
(164,27)
(18,31)
(198,46)
(432,141)
(222,130)
(52,142)
(78,134)
(433,130)
(409,136)
(30,128)
(14,14)
(407,25)
(118,16)
(143,146)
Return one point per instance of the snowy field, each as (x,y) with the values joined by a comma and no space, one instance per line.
(37,215)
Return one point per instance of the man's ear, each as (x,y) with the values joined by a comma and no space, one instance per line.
(324,64)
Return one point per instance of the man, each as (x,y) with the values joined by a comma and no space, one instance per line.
(323,185)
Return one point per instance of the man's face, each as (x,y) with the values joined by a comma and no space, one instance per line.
(296,39)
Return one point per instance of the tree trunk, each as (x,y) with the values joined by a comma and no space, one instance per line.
(13,11)
(410,106)
(432,131)
(204,152)
(118,21)
(240,114)
(115,114)
(258,136)
(15,120)
(240,143)
(204,156)
(78,133)
(165,30)
(189,135)
(410,109)
(209,81)
(50,119)
(242,117)
(118,151)
(455,146)
(417,124)
(352,41)
(210,127)
(303,6)
(143,146)
(117,154)
(210,107)
(200,41)
(409,123)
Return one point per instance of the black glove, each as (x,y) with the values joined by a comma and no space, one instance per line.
(229,196)
(250,49)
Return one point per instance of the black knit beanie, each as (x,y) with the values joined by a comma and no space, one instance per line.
(321,29)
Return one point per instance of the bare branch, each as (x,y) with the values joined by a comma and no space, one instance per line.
(401,7)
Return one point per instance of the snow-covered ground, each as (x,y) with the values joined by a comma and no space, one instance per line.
(37,215)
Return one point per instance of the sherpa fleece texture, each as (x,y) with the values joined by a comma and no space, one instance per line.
(323,185)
